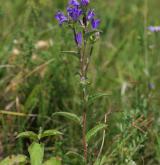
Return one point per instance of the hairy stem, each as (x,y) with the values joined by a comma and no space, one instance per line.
(84,136)
(84,93)
(84,104)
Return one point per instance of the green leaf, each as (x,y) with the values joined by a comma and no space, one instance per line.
(14,159)
(89,34)
(70,116)
(36,152)
(94,131)
(92,98)
(51,132)
(28,134)
(71,53)
(53,161)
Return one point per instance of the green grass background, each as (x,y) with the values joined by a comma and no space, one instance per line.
(125,63)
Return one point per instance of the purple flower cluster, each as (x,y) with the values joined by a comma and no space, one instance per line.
(74,13)
(75,10)
(78,12)
(154,28)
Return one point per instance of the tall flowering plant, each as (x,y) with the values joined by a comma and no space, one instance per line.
(79,16)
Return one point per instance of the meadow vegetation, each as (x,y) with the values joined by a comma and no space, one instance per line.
(38,79)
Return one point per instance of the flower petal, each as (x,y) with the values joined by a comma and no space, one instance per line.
(84,2)
(95,23)
(74,3)
(90,15)
(74,13)
(61,17)
(78,38)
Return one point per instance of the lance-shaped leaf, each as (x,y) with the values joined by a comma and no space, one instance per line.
(53,161)
(14,159)
(36,152)
(51,132)
(68,115)
(74,53)
(92,98)
(28,134)
(90,134)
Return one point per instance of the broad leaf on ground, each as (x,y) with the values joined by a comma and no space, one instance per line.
(14,159)
(53,161)
(36,152)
